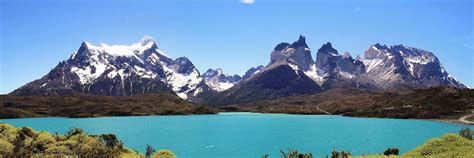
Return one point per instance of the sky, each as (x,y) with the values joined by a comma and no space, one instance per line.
(234,35)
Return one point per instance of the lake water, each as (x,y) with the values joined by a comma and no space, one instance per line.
(250,135)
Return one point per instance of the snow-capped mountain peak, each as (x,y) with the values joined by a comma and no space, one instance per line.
(391,66)
(220,81)
(147,40)
(123,50)
(123,70)
(297,55)
(329,63)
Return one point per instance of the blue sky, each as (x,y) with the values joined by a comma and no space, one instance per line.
(230,34)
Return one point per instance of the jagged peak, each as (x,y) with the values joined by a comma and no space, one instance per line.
(378,46)
(145,43)
(84,44)
(220,70)
(147,40)
(182,60)
(281,46)
(327,48)
(346,55)
(301,42)
(213,72)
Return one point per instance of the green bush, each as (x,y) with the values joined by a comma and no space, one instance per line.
(466,133)
(391,151)
(111,141)
(43,139)
(450,145)
(5,147)
(25,142)
(295,154)
(340,154)
(74,131)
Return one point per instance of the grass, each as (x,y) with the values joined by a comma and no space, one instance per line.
(448,146)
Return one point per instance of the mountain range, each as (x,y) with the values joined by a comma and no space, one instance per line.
(140,68)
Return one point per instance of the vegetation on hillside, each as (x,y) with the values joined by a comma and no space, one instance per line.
(82,105)
(26,142)
(450,145)
(432,103)
(466,133)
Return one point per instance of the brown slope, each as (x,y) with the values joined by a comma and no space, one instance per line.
(432,103)
(80,105)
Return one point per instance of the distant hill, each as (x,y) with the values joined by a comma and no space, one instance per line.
(80,105)
(432,103)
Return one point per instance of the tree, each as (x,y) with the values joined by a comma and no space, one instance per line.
(466,133)
(149,151)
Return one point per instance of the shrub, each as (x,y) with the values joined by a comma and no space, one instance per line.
(111,141)
(295,154)
(391,151)
(340,154)
(164,153)
(55,150)
(42,140)
(466,133)
(450,145)
(74,131)
(25,142)
(5,147)
(149,150)
(22,142)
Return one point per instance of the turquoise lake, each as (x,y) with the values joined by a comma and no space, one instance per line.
(251,135)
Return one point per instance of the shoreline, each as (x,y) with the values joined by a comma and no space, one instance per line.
(451,121)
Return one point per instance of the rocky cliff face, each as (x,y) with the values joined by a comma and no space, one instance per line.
(252,71)
(297,55)
(392,66)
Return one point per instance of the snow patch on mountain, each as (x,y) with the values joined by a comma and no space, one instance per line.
(252,71)
(142,59)
(220,81)
(182,84)
(399,64)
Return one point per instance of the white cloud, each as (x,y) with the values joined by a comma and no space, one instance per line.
(357,9)
(247,1)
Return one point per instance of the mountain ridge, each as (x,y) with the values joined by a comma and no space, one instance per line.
(140,68)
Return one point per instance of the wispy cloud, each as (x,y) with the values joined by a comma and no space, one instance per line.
(356,9)
(247,1)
